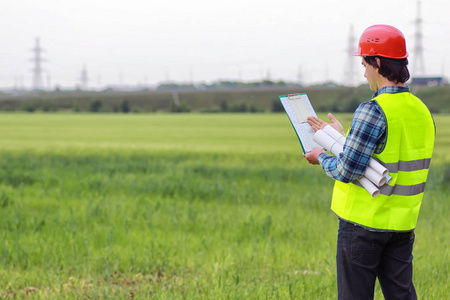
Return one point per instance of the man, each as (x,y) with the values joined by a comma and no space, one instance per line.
(376,235)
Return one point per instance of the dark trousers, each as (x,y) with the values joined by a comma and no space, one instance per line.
(364,255)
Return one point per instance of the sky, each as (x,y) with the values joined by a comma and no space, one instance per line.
(147,42)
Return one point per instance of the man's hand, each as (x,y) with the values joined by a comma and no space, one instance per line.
(312,156)
(317,123)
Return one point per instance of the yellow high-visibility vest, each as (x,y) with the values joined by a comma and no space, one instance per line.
(407,154)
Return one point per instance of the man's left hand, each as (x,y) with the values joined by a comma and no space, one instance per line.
(312,156)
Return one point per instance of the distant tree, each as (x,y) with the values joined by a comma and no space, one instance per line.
(28,107)
(239,108)
(76,108)
(175,87)
(352,104)
(95,106)
(281,83)
(277,106)
(180,108)
(268,83)
(49,107)
(337,106)
(125,106)
(224,106)
(252,109)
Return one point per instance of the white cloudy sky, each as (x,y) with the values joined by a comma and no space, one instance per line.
(150,41)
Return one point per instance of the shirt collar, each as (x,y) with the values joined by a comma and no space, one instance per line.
(391,90)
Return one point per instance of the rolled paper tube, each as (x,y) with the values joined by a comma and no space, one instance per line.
(375,177)
(379,168)
(323,139)
(326,141)
(336,135)
(369,186)
(336,148)
(388,178)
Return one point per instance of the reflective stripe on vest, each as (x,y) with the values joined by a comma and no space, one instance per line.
(408,166)
(407,155)
(402,190)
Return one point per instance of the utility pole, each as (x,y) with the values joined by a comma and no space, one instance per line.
(37,70)
(349,69)
(419,67)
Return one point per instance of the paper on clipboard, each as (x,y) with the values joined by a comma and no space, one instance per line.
(298,108)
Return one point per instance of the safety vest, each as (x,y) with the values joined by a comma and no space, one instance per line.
(410,133)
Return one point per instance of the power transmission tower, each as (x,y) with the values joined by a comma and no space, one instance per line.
(268,75)
(419,67)
(49,81)
(37,70)
(84,78)
(299,75)
(349,73)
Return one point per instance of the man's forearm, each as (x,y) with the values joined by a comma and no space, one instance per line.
(337,170)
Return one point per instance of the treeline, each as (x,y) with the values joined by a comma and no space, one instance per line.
(324,99)
(224,85)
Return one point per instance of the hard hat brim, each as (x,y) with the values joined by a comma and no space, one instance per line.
(398,57)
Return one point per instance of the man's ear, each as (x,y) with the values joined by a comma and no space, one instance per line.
(377,59)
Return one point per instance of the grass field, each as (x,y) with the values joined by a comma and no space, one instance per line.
(181,206)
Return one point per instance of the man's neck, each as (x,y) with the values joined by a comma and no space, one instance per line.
(384,82)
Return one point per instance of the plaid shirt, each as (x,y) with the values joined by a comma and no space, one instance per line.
(367,136)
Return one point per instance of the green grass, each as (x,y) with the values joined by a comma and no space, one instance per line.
(181,207)
(125,133)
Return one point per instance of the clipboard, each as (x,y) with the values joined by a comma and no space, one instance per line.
(298,108)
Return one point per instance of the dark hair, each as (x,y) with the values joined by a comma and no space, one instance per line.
(395,70)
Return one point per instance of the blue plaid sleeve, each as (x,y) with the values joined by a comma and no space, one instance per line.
(366,133)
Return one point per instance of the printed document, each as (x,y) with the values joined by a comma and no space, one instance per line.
(298,108)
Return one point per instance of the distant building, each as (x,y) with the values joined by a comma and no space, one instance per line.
(428,81)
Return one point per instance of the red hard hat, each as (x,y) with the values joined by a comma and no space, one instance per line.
(382,40)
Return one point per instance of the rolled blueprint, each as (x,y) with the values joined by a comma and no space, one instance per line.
(388,179)
(369,186)
(371,179)
(375,177)
(379,168)
(334,134)
(326,141)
